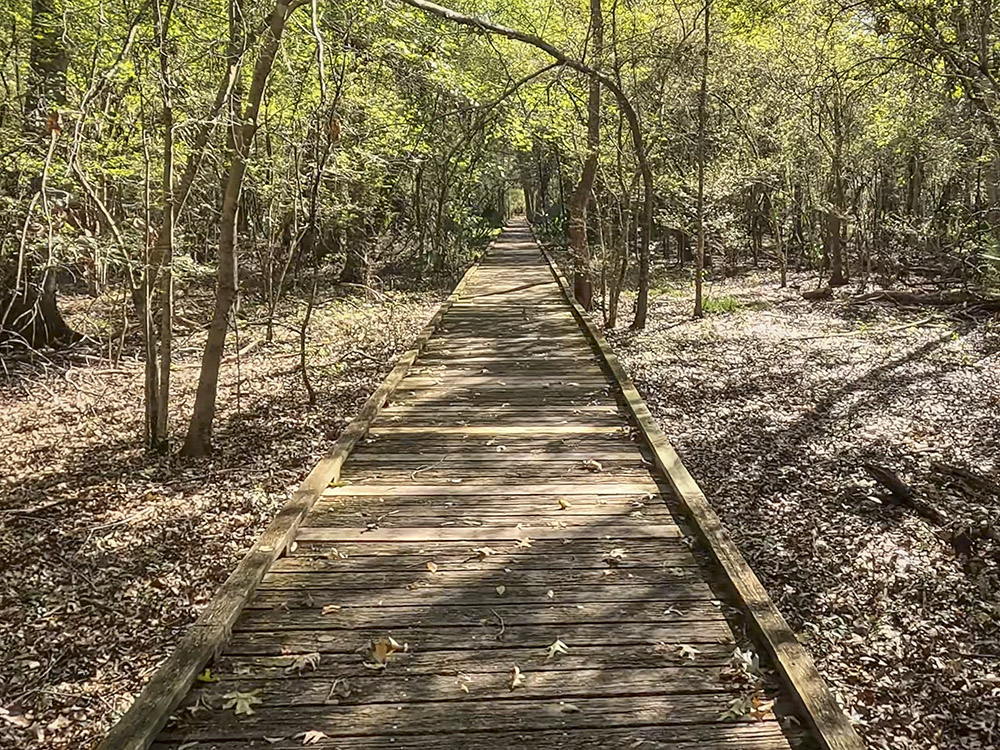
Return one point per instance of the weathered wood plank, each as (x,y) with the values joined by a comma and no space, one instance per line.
(417,594)
(459,577)
(472,534)
(475,661)
(401,719)
(587,683)
(763,736)
(468,559)
(659,550)
(551,613)
(624,488)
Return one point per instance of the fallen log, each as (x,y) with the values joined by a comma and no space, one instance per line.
(816,294)
(904,495)
(946,299)
(969,478)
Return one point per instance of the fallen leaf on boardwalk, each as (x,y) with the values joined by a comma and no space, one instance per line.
(689,652)
(615,556)
(464,687)
(592,465)
(570,708)
(206,676)
(746,661)
(380,650)
(761,708)
(558,647)
(551,594)
(524,543)
(312,736)
(340,688)
(432,567)
(501,589)
(330,608)
(516,678)
(242,702)
(738,708)
(303,663)
(484,552)
(564,503)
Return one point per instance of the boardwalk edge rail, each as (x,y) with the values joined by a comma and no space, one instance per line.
(172,680)
(817,705)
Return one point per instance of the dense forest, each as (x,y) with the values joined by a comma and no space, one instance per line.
(178,174)
(144,144)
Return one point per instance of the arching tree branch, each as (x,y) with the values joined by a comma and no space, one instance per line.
(488,27)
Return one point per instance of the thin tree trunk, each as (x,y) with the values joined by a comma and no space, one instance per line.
(165,242)
(702,126)
(583,286)
(199,436)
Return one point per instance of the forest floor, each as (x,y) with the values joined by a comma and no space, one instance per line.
(109,552)
(775,403)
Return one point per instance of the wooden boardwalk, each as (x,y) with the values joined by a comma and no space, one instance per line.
(500,504)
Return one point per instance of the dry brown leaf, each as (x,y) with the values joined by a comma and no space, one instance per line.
(380,650)
(312,736)
(564,503)
(432,567)
(242,703)
(688,652)
(557,647)
(516,677)
(304,663)
(501,589)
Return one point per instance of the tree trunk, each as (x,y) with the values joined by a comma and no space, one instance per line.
(158,431)
(702,126)
(199,436)
(583,286)
(834,218)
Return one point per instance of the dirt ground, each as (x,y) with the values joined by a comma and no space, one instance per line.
(775,404)
(107,553)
